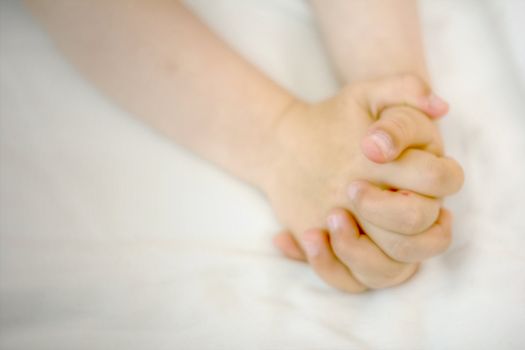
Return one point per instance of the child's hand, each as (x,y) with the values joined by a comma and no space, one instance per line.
(319,155)
(349,260)
(323,156)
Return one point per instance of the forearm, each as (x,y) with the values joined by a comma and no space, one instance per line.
(159,62)
(372,38)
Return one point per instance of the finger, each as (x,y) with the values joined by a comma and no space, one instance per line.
(421,172)
(403,211)
(368,263)
(397,129)
(286,243)
(403,89)
(322,259)
(416,248)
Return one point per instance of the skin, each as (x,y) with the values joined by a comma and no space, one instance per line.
(304,157)
(402,228)
(385,39)
(370,39)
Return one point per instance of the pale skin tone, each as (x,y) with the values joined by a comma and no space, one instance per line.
(159,62)
(370,39)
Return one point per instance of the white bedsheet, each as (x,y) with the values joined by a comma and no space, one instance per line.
(112,237)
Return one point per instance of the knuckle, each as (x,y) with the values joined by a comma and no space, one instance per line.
(399,125)
(410,249)
(413,83)
(339,247)
(403,249)
(389,277)
(345,252)
(436,174)
(414,220)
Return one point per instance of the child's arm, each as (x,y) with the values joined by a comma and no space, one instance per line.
(371,39)
(158,61)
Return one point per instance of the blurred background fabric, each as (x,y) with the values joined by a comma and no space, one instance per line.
(113,237)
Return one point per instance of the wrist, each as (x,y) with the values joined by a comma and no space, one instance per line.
(278,138)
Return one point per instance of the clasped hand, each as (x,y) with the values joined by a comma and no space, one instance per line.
(358,182)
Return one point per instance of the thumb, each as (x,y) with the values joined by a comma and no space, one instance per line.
(397,129)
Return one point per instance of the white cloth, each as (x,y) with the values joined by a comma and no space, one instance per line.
(113,237)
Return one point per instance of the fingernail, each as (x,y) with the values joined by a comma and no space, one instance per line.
(384,142)
(310,247)
(436,103)
(334,223)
